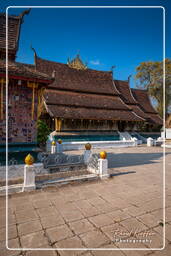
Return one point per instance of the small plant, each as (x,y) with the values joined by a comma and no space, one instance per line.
(42,132)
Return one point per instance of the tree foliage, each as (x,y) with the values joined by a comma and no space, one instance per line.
(42,132)
(150,76)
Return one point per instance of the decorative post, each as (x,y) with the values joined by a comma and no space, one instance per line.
(59,146)
(135,141)
(103,165)
(87,153)
(150,142)
(29,174)
(53,147)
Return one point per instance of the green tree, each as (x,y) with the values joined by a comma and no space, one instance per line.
(150,76)
(42,132)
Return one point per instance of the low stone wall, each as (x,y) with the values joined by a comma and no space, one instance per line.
(80,145)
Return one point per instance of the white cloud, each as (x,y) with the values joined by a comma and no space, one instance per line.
(95,62)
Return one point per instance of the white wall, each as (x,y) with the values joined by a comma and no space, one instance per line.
(95,144)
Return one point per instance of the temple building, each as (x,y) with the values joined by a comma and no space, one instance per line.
(68,97)
(25,87)
(82,99)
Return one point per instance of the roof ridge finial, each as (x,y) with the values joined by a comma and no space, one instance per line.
(112,68)
(35,54)
(25,12)
(129,77)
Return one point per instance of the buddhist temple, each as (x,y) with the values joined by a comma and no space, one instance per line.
(68,97)
(25,87)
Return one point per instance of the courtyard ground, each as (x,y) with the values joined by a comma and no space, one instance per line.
(124,211)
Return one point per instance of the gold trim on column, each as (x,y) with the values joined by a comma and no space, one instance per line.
(58,124)
(32,85)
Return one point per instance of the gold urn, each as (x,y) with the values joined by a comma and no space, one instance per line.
(87,146)
(29,160)
(60,141)
(103,154)
(53,143)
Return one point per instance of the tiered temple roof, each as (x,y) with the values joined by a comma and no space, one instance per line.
(83,94)
(138,100)
(23,71)
(14,25)
(143,100)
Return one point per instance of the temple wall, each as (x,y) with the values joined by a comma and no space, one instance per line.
(82,125)
(21,127)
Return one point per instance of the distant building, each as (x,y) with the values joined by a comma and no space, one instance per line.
(68,97)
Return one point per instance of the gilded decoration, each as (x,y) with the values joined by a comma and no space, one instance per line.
(77,63)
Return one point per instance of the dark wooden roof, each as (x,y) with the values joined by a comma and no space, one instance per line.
(83,100)
(83,94)
(21,70)
(73,112)
(14,24)
(138,101)
(143,99)
(144,103)
(125,91)
(88,80)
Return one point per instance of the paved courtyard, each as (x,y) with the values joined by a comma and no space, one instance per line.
(124,211)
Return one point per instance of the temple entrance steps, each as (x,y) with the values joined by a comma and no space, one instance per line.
(125,136)
(139,137)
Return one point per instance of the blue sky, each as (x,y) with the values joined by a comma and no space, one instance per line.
(103,37)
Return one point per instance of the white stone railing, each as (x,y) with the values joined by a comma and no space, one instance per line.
(79,145)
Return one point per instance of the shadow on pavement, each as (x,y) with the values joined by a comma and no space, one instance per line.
(132,159)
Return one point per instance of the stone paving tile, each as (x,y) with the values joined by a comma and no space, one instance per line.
(133,224)
(11,220)
(41,253)
(52,221)
(72,215)
(149,220)
(159,230)
(72,242)
(104,252)
(26,215)
(58,233)
(24,206)
(42,203)
(118,215)
(138,252)
(157,241)
(96,201)
(29,227)
(165,252)
(12,232)
(83,204)
(134,211)
(101,220)
(91,211)
(43,212)
(94,239)
(14,243)
(115,231)
(81,226)
(34,240)
(106,207)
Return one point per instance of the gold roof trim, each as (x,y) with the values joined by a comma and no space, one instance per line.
(77,63)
